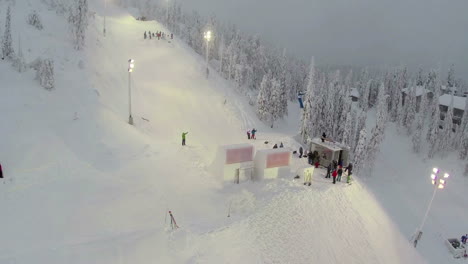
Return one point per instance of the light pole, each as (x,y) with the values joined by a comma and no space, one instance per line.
(207,37)
(131,65)
(105,11)
(167,13)
(439,183)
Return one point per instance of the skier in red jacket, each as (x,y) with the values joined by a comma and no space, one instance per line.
(334,174)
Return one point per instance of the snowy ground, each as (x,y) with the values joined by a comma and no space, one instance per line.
(83,186)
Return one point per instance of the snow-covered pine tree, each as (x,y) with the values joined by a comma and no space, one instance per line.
(78,20)
(433,85)
(364,98)
(447,136)
(19,62)
(45,73)
(264,99)
(433,135)
(309,114)
(275,101)
(7,46)
(464,146)
(360,155)
(462,127)
(34,20)
(451,76)
(420,78)
(348,130)
(410,103)
(378,132)
(361,124)
(417,136)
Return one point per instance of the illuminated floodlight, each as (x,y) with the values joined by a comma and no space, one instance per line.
(442,181)
(435,170)
(441,186)
(446,175)
(433,182)
(433,176)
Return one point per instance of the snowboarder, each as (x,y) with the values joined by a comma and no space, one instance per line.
(183,137)
(1,172)
(301,151)
(281,145)
(310,158)
(145,35)
(275,146)
(307,177)
(248,134)
(324,136)
(253,134)
(340,172)
(334,174)
(329,168)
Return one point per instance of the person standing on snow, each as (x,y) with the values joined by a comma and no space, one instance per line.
(1,172)
(324,136)
(253,133)
(144,35)
(275,146)
(340,172)
(248,134)
(281,145)
(301,151)
(334,174)
(349,169)
(329,167)
(183,137)
(172,36)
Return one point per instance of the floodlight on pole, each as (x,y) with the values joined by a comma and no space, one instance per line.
(105,11)
(131,66)
(439,183)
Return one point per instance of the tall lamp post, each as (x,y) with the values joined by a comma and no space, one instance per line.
(131,65)
(105,11)
(167,13)
(207,37)
(439,183)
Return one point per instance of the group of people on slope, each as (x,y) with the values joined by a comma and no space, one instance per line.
(159,35)
(276,145)
(335,170)
(251,134)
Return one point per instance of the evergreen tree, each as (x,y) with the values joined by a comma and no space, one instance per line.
(7,46)
(378,132)
(410,105)
(19,62)
(433,134)
(464,146)
(361,124)
(348,134)
(45,73)
(360,155)
(34,20)
(420,78)
(264,99)
(310,112)
(78,19)
(446,136)
(451,77)
(364,98)
(417,136)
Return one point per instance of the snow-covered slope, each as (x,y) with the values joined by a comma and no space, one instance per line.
(83,186)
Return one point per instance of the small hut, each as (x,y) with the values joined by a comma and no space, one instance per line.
(329,151)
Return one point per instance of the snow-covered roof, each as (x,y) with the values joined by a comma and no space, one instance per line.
(419,90)
(452,88)
(335,146)
(458,101)
(354,93)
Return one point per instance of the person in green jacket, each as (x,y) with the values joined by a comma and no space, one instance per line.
(183,138)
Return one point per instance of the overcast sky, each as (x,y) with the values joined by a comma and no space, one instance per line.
(356,32)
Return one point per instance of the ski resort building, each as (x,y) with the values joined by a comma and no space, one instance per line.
(272,163)
(420,90)
(329,151)
(234,163)
(458,107)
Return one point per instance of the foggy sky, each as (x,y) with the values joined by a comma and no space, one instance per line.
(429,33)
